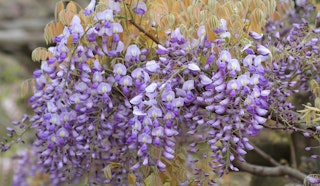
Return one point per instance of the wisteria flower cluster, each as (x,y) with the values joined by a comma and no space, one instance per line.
(108,109)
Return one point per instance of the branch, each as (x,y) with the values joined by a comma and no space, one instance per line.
(265,156)
(295,127)
(269,171)
(143,31)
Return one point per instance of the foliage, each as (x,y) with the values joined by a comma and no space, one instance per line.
(165,92)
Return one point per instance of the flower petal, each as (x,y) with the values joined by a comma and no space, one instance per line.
(193,67)
(151,88)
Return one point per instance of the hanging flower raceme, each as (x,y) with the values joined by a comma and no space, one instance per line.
(108,109)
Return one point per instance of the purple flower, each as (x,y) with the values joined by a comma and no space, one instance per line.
(169,116)
(178,102)
(188,85)
(138,112)
(301,3)
(261,111)
(104,88)
(137,125)
(135,166)
(162,50)
(170,132)
(210,59)
(248,60)
(263,50)
(221,87)
(168,96)
(205,80)
(81,87)
(106,15)
(168,155)
(140,8)
(233,67)
(151,88)
(257,62)
(119,69)
(136,100)
(47,68)
(97,77)
(137,73)
(62,132)
(152,66)
(133,53)
(90,8)
(161,165)
(75,98)
(201,31)
(255,35)
(244,79)
(313,180)
(177,37)
(114,5)
(126,81)
(233,86)
(254,79)
(154,112)
(158,132)
(63,38)
(120,47)
(193,67)
(145,138)
(105,31)
(247,49)
(256,92)
(259,119)
(224,57)
(116,28)
(220,109)
(76,29)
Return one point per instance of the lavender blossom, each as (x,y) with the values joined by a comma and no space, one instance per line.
(139,8)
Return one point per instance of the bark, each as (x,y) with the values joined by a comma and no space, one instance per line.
(280,170)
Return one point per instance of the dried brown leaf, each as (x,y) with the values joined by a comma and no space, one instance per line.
(49,32)
(65,17)
(313,84)
(58,29)
(26,87)
(59,7)
(39,54)
(132,179)
(108,169)
(72,7)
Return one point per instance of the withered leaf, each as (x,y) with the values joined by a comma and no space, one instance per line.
(39,54)
(59,7)
(72,7)
(108,169)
